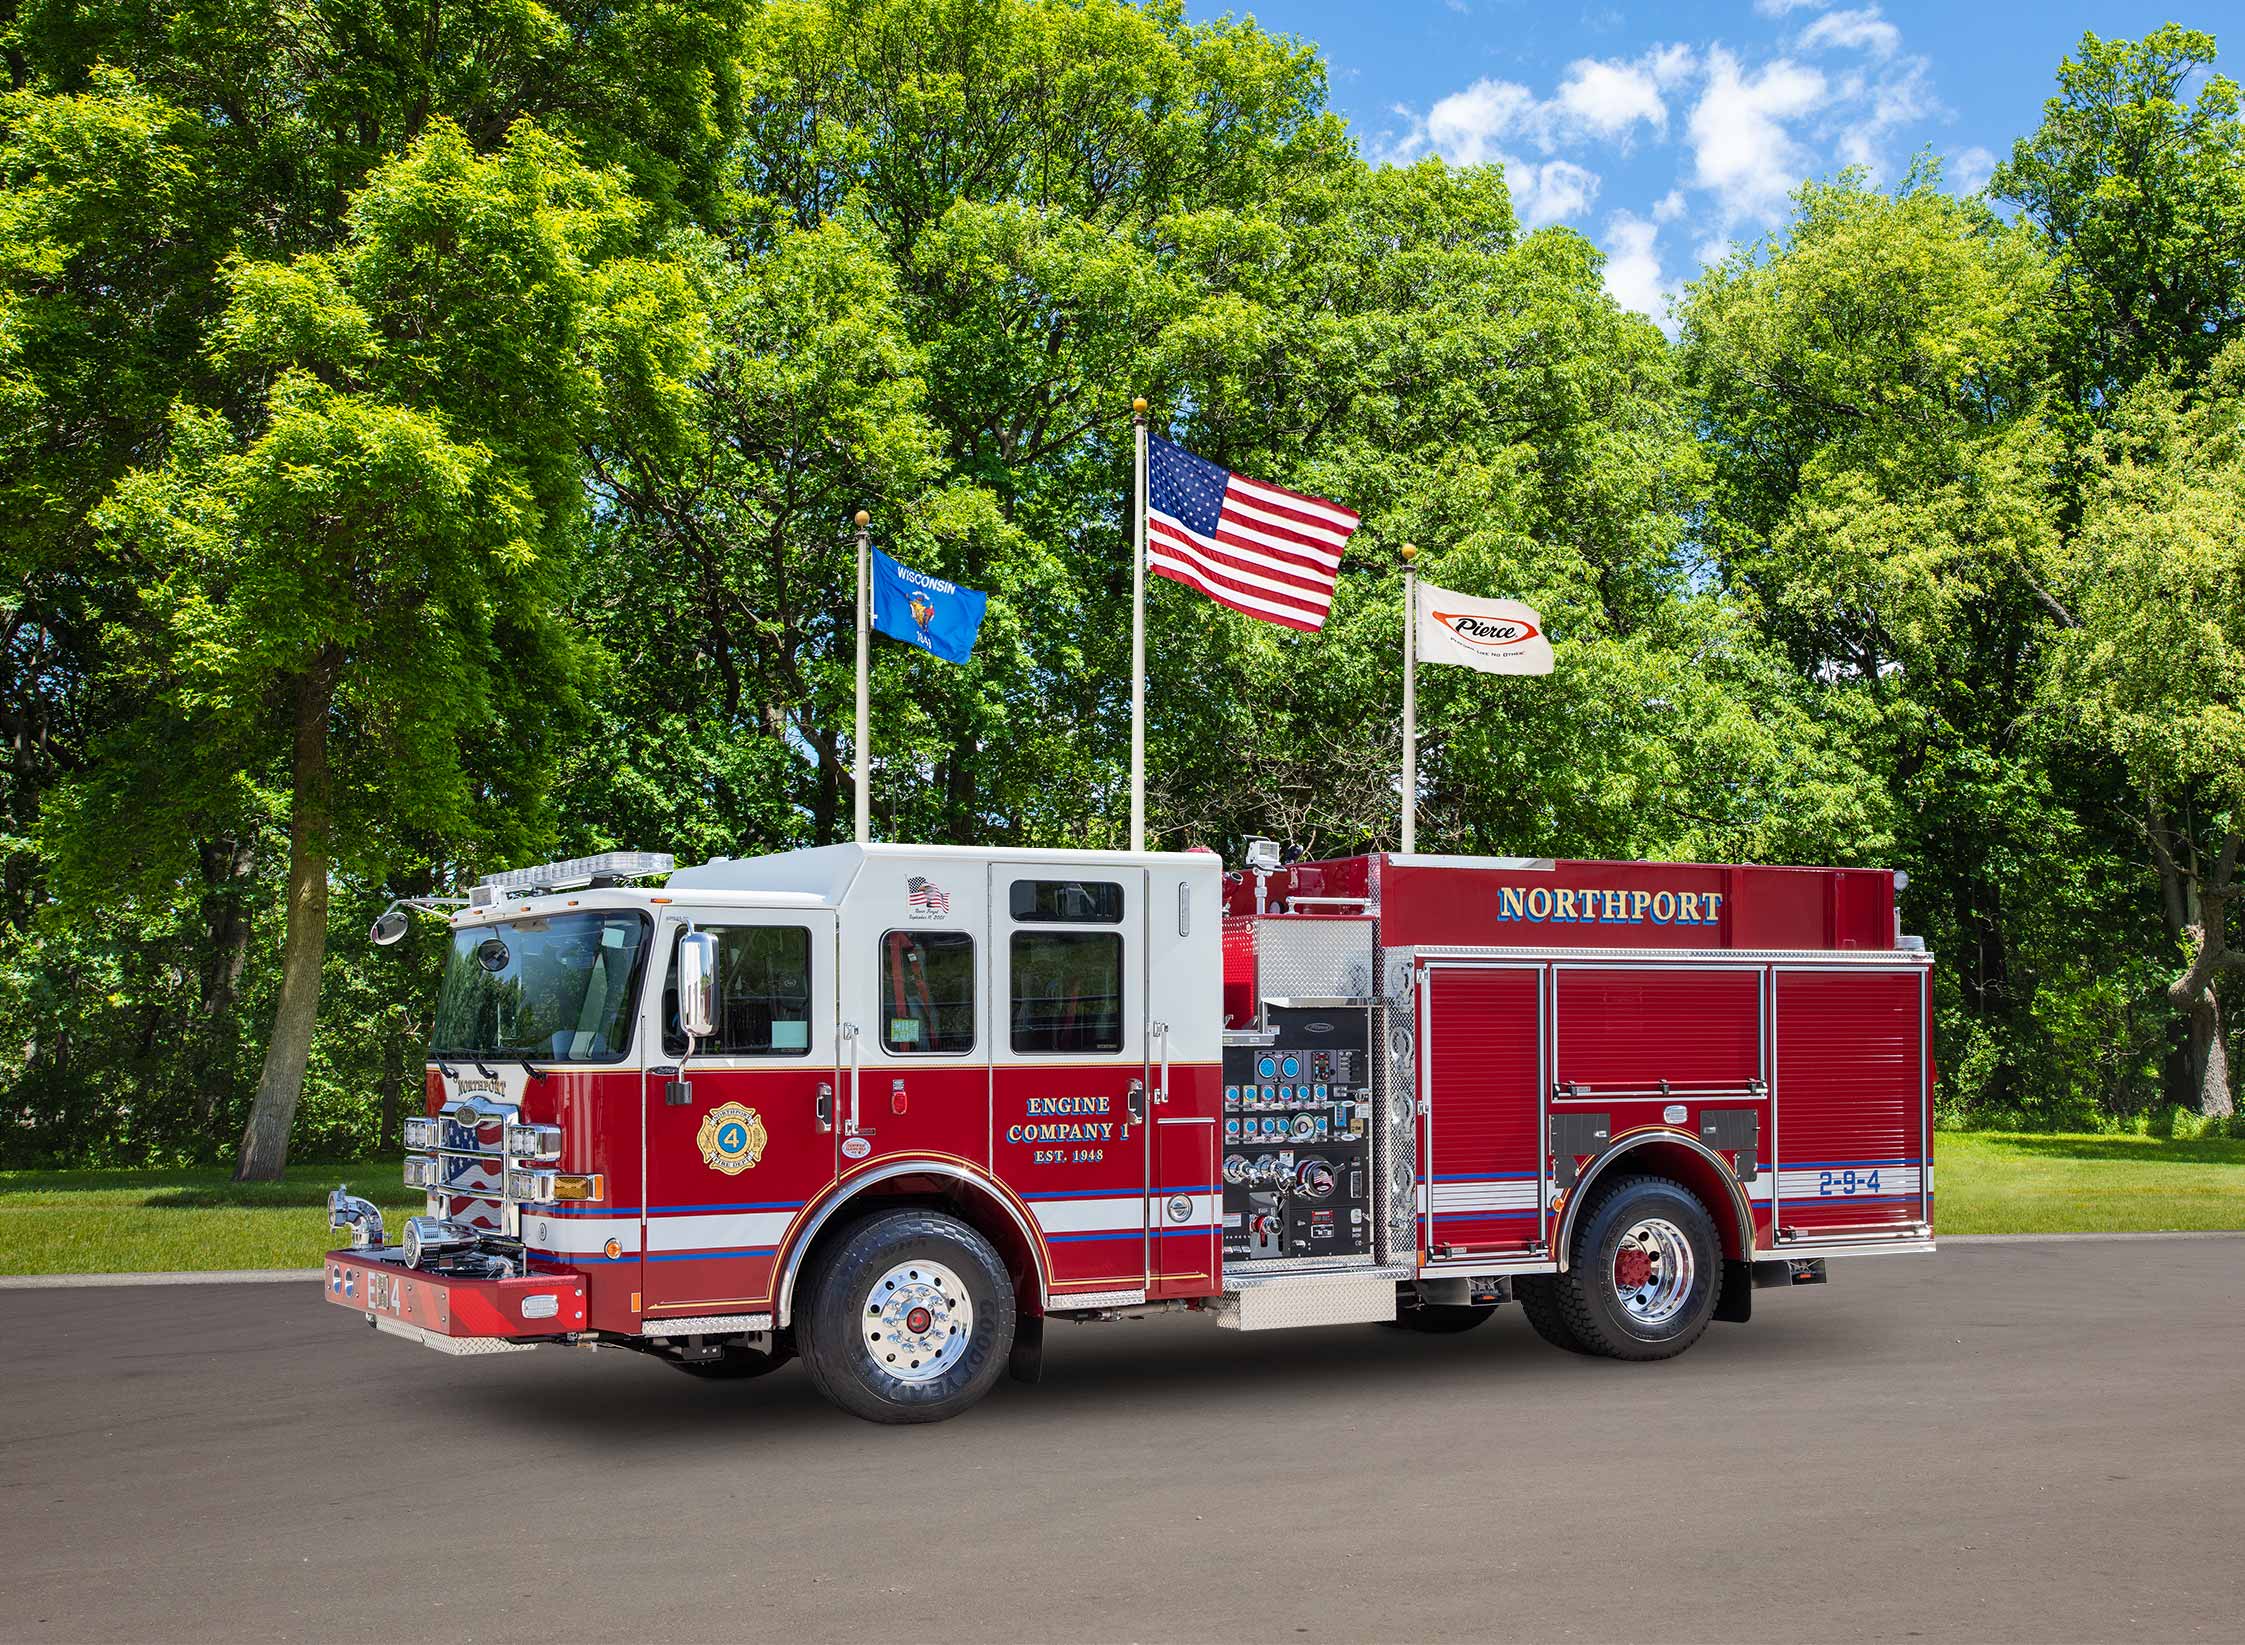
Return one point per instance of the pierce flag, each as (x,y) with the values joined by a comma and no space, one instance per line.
(938,617)
(1495,636)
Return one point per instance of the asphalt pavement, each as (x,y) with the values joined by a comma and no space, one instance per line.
(2034,1442)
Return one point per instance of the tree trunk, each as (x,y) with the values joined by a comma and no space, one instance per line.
(226,862)
(2193,993)
(393,1079)
(2210,1056)
(304,947)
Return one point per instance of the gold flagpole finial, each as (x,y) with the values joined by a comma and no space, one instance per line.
(863,519)
(1410,552)
(1138,406)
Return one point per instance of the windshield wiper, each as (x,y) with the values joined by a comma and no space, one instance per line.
(534,1073)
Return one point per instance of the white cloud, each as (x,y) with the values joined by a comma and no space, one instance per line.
(1466,126)
(1486,124)
(1969,171)
(1551,192)
(1864,30)
(1753,121)
(1610,98)
(1902,94)
(1633,267)
(1742,147)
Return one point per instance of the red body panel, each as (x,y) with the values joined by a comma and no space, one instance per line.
(1570,904)
(1831,1062)
(1628,1027)
(1482,1146)
(712,1239)
(1852,1145)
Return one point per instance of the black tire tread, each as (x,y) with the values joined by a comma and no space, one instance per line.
(822,1342)
(1538,1300)
(1570,1291)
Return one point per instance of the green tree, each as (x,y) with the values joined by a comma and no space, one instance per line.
(2152,666)
(361,580)
(2141,198)
(1881,493)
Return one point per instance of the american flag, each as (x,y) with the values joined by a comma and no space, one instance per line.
(919,893)
(1257,548)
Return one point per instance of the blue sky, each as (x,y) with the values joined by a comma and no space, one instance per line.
(1665,133)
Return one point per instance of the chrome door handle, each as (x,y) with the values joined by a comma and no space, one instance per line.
(825,1107)
(1135,1103)
(850,1033)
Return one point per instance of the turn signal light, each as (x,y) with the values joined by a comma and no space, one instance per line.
(554,1187)
(420,1171)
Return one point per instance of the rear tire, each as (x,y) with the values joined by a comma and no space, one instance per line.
(1539,1300)
(1643,1273)
(907,1317)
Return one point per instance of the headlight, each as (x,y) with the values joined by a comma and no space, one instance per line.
(530,1187)
(420,1171)
(420,1133)
(533,1142)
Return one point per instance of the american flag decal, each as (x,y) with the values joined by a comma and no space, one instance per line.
(1261,549)
(923,894)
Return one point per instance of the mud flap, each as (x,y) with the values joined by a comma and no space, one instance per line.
(1027,1361)
(1734,1304)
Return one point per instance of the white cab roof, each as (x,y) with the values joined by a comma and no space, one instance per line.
(823,873)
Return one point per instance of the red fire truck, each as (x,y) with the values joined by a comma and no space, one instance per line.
(892,1108)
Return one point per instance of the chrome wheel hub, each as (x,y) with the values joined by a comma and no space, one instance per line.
(917,1320)
(1653,1270)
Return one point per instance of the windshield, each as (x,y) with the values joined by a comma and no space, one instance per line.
(559,989)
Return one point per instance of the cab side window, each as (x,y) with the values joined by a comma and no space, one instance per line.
(763,993)
(926,990)
(1067,991)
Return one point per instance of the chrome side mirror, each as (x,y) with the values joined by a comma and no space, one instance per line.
(389,927)
(697,985)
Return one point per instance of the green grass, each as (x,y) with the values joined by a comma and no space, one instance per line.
(1988,1182)
(108,1222)
(91,1222)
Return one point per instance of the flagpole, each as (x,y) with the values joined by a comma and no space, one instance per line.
(1138,632)
(864,684)
(1410,700)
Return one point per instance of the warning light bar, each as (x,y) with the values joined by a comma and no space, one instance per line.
(607,867)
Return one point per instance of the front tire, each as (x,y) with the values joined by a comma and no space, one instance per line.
(908,1317)
(1643,1272)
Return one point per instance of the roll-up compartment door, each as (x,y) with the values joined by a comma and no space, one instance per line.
(1623,1030)
(1482,1068)
(1851,1102)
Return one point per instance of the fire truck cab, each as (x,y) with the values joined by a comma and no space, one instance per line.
(891,1108)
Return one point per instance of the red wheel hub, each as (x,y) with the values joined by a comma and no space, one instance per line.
(918,1320)
(1632,1269)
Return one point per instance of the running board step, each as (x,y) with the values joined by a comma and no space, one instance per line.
(1322,1299)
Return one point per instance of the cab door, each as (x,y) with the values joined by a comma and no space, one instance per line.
(745,1134)
(1073,1070)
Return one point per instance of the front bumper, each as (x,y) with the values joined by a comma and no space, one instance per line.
(454,1314)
